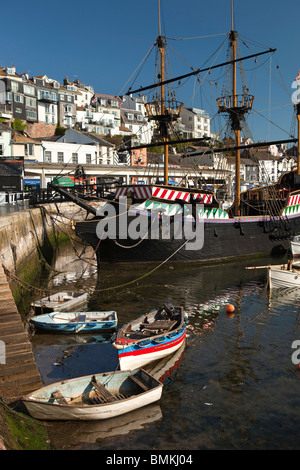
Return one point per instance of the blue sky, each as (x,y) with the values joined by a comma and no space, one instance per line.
(102,44)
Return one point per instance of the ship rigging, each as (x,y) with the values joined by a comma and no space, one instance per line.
(260,221)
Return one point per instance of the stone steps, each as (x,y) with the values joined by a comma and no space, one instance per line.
(19,375)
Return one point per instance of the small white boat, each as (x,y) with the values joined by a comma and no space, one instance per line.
(150,337)
(96,397)
(295,247)
(284,276)
(75,322)
(59,301)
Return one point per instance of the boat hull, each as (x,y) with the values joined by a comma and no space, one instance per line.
(223,240)
(61,301)
(295,247)
(283,278)
(39,408)
(70,322)
(135,356)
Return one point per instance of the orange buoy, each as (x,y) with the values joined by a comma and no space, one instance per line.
(230,308)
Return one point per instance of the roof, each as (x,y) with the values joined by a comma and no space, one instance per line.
(52,138)
(258,154)
(5,128)
(19,138)
(97,138)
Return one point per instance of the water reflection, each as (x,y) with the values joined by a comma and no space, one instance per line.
(83,433)
(236,387)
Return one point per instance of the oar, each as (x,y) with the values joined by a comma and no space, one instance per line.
(265,267)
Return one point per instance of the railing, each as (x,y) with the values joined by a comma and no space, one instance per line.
(86,191)
(226,103)
(158,110)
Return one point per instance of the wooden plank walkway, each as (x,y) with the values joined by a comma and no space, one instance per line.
(19,375)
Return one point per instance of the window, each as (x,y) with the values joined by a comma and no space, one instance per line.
(88,158)
(46,95)
(62,97)
(15,86)
(47,157)
(28,90)
(60,157)
(30,102)
(28,149)
(130,117)
(31,115)
(46,119)
(74,157)
(1,149)
(19,98)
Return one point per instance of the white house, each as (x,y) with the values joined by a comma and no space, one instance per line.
(27,147)
(144,128)
(5,140)
(77,148)
(196,122)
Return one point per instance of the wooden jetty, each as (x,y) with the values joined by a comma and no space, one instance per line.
(18,371)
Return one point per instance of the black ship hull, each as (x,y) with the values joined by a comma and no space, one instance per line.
(223,240)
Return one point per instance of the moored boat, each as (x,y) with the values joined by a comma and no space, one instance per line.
(284,276)
(150,337)
(295,247)
(75,322)
(59,301)
(96,397)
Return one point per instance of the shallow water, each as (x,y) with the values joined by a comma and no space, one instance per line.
(233,386)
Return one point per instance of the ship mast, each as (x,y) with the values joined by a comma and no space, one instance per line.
(298,119)
(236,106)
(161,46)
(162,110)
(236,126)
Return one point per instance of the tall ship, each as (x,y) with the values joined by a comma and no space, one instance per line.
(161,222)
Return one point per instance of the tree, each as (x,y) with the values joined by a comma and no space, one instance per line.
(18,125)
(60,130)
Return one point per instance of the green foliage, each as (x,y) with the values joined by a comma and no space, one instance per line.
(60,130)
(18,125)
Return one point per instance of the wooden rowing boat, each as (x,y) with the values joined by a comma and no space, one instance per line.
(59,301)
(151,336)
(75,322)
(96,397)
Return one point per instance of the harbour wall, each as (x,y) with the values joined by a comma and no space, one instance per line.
(28,242)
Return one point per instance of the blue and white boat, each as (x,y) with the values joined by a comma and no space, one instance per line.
(150,337)
(75,322)
(100,396)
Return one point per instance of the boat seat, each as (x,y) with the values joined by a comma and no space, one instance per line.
(160,325)
(81,318)
(139,382)
(102,392)
(59,397)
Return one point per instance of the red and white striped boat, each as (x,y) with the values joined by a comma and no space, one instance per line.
(150,337)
